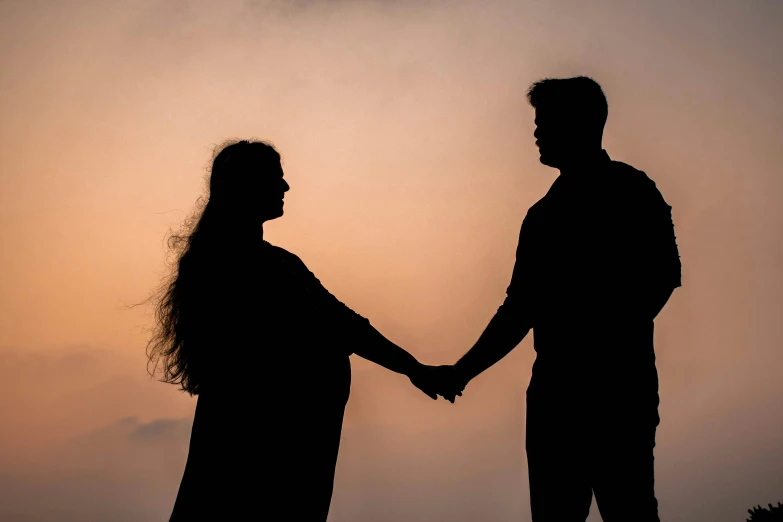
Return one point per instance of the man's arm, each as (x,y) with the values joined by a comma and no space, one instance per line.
(661,257)
(514,318)
(503,333)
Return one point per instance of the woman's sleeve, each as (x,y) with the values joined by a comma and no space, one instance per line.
(348,326)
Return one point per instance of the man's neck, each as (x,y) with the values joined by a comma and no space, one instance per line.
(584,160)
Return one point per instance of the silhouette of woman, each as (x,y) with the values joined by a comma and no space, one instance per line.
(250,330)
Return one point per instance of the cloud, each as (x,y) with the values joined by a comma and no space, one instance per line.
(159,429)
(88,436)
(127,443)
(53,396)
(125,471)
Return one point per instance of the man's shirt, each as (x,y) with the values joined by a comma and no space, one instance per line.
(591,253)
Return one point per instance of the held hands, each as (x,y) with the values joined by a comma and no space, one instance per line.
(438,380)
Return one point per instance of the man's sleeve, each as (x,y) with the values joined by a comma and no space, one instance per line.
(663,264)
(521,292)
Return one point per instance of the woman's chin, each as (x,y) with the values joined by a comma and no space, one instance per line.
(275,214)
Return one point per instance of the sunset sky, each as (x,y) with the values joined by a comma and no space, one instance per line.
(407,141)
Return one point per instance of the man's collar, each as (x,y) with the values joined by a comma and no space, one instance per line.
(587,163)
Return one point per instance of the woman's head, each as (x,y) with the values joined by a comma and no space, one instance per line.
(247,181)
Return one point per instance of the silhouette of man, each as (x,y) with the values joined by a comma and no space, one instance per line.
(597,260)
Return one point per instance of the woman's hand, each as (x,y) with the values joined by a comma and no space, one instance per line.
(437,380)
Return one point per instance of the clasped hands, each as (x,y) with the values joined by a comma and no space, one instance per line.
(445,381)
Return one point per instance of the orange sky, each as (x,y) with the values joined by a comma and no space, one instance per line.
(408,144)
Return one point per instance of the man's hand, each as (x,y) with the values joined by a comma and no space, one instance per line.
(450,382)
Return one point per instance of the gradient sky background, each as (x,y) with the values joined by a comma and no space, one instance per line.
(408,144)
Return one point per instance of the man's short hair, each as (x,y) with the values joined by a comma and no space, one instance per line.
(580,96)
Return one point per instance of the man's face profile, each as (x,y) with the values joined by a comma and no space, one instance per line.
(561,135)
(546,137)
(551,136)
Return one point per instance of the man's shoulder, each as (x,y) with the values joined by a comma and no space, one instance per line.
(632,182)
(629,175)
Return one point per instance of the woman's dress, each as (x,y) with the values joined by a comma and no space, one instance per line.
(275,380)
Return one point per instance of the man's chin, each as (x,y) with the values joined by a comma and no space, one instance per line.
(274,215)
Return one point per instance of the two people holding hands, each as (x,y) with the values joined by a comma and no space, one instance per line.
(246,327)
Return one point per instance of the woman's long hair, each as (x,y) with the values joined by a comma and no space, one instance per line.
(177,346)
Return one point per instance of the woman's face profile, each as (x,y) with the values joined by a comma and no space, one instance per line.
(271,191)
(250,189)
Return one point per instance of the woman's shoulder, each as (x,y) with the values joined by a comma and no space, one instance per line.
(283,255)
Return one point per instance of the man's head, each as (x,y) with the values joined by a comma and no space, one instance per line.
(570,118)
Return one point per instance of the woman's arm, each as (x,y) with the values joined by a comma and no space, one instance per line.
(374,347)
(364,340)
(381,351)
